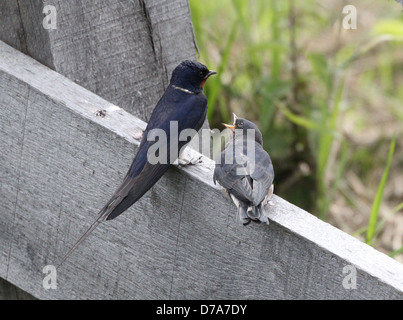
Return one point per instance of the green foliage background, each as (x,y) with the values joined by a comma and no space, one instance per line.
(328,100)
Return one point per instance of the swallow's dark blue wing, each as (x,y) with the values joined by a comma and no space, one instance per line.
(189,112)
(183,102)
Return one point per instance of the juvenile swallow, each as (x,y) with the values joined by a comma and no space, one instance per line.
(184,104)
(245,171)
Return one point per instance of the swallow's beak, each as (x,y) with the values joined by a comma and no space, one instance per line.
(210,73)
(231,127)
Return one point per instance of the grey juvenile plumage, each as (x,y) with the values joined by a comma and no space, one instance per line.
(246,172)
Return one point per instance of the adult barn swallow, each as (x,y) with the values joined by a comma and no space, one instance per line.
(245,171)
(184,104)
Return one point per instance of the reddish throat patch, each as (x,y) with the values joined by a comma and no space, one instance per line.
(203,83)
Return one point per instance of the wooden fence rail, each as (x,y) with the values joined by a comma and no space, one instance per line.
(60,161)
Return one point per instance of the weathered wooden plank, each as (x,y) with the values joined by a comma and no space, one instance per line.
(124,51)
(60,162)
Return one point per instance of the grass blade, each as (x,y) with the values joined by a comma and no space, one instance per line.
(378,197)
(396,252)
(325,146)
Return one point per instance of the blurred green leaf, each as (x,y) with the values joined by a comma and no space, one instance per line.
(396,252)
(378,197)
(319,65)
(215,85)
(392,27)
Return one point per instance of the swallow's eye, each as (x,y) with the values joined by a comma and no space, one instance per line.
(201,74)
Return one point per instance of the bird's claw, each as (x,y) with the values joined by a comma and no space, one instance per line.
(138,135)
(185,162)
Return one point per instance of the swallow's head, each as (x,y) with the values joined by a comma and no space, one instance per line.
(245,125)
(191,75)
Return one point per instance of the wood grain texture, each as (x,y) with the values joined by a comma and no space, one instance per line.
(60,162)
(124,51)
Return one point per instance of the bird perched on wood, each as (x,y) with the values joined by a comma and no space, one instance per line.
(245,171)
(184,105)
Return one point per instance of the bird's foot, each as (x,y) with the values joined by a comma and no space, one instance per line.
(180,162)
(269,202)
(138,135)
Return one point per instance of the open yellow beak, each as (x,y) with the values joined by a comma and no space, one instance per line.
(231,127)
